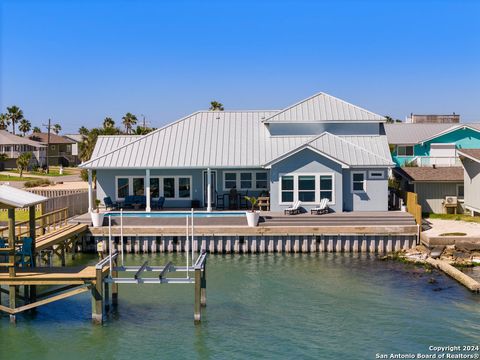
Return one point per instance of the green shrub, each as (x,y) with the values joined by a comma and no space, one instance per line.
(39,182)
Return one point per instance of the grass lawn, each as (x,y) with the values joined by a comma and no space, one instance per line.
(53,172)
(462,217)
(20,215)
(15,178)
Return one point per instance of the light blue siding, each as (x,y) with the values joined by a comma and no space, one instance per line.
(375,198)
(305,161)
(296,129)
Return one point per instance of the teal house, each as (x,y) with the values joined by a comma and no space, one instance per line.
(431,144)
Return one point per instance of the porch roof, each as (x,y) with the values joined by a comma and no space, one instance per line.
(17,198)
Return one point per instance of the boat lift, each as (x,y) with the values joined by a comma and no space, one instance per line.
(194,273)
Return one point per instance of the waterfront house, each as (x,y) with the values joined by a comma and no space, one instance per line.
(320,147)
(427,144)
(426,155)
(471,164)
(59,150)
(77,140)
(13,146)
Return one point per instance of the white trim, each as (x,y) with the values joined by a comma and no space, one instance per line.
(317,189)
(238,181)
(447,131)
(303,147)
(364,182)
(160,185)
(215,189)
(375,177)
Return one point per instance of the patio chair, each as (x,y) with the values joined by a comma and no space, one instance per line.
(220,203)
(25,250)
(160,203)
(294,209)
(109,204)
(320,209)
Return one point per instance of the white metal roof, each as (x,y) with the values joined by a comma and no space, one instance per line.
(409,134)
(232,139)
(13,197)
(349,151)
(107,143)
(324,107)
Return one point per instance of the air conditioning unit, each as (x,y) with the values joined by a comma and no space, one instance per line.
(451,200)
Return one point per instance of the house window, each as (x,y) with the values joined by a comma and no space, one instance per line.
(69,148)
(404,150)
(52,147)
(460,191)
(169,187)
(261,180)
(376,174)
(306,188)
(122,188)
(326,187)
(154,187)
(184,187)
(245,180)
(287,189)
(358,182)
(138,186)
(230,180)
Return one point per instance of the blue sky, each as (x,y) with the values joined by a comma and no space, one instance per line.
(79,61)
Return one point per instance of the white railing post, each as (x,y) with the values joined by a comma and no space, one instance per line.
(121,233)
(209,189)
(147,190)
(90,191)
(110,243)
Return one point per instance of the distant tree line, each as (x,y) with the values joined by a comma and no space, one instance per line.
(14,117)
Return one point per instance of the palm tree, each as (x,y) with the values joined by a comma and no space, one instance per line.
(128,121)
(108,123)
(36,129)
(4,121)
(15,114)
(23,161)
(83,131)
(24,126)
(56,128)
(216,106)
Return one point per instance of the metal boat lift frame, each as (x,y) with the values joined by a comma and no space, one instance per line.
(198,269)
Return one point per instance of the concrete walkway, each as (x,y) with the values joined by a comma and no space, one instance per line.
(432,236)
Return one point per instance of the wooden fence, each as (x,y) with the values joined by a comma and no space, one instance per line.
(413,207)
(50,193)
(76,203)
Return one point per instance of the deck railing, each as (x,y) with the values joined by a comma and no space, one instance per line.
(440,161)
(43,224)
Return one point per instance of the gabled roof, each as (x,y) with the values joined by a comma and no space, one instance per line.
(410,134)
(432,174)
(226,139)
(345,152)
(17,198)
(7,138)
(42,138)
(324,107)
(472,154)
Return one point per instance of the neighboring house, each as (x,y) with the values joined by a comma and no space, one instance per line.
(433,185)
(77,138)
(433,119)
(321,147)
(13,145)
(431,144)
(471,164)
(59,150)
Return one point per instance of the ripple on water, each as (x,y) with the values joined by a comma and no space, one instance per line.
(327,306)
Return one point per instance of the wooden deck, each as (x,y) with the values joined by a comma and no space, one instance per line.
(59,236)
(51,276)
(270,224)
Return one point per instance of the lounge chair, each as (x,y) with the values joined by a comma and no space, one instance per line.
(109,204)
(294,209)
(322,208)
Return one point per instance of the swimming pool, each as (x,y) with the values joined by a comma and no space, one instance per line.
(178,214)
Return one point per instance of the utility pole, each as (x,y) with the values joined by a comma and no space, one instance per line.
(49,126)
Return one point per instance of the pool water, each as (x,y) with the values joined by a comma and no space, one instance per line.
(178,214)
(268,306)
